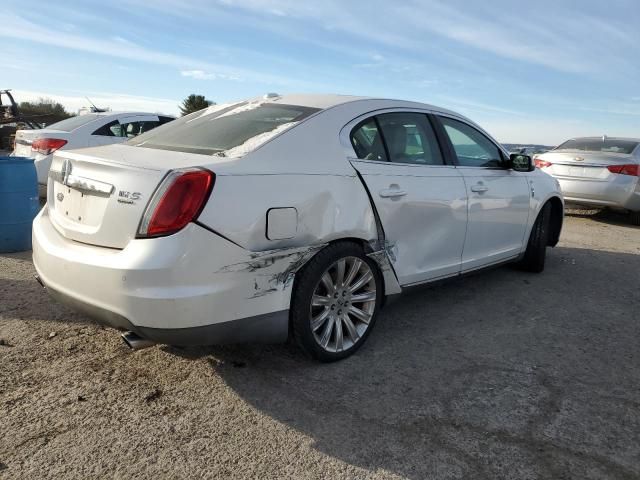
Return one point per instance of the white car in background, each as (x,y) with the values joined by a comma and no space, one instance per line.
(88,130)
(285,215)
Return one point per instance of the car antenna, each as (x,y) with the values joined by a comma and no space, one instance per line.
(95,109)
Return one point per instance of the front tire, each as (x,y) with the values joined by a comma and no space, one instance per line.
(335,302)
(535,255)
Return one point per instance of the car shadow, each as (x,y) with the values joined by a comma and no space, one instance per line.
(604,215)
(503,374)
(496,375)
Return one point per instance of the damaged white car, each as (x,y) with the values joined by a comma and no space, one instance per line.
(285,216)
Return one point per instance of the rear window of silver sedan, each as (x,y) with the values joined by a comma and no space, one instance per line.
(608,145)
(225,130)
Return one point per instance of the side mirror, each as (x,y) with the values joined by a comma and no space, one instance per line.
(521,163)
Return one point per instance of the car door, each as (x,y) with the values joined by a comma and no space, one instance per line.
(420,199)
(499,198)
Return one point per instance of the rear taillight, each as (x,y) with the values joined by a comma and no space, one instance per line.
(178,200)
(633,170)
(47,146)
(542,163)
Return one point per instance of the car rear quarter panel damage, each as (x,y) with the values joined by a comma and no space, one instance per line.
(304,169)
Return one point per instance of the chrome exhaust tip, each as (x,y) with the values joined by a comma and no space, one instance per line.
(135,341)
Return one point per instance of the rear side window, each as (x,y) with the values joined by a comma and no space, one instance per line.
(112,129)
(367,141)
(410,139)
(225,130)
(472,148)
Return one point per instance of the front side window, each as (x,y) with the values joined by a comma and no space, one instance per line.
(472,148)
(133,129)
(367,141)
(410,139)
(225,130)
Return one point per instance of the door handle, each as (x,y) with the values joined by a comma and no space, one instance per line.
(479,188)
(391,193)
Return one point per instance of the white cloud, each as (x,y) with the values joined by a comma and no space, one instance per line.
(17,27)
(114,101)
(567,40)
(202,75)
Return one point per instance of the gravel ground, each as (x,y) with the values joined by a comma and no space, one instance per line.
(499,375)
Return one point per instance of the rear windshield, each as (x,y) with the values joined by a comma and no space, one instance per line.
(599,145)
(224,130)
(74,122)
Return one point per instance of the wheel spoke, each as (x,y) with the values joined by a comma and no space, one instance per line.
(363,297)
(339,337)
(326,334)
(363,280)
(351,328)
(353,271)
(340,268)
(320,301)
(343,304)
(327,281)
(319,320)
(359,314)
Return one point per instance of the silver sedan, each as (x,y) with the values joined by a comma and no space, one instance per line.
(597,171)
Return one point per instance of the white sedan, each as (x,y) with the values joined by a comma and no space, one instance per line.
(88,130)
(285,216)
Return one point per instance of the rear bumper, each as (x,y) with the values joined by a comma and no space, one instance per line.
(193,287)
(268,328)
(623,191)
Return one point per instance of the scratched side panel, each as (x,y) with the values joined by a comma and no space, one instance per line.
(329,207)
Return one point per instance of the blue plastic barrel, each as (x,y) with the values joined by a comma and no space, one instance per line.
(19,203)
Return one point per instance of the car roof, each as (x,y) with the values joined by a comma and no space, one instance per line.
(326,101)
(120,113)
(629,139)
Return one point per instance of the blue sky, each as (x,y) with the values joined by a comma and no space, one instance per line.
(528,71)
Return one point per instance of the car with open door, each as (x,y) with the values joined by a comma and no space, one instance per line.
(282,217)
(87,130)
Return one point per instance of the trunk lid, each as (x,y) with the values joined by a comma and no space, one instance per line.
(583,165)
(98,195)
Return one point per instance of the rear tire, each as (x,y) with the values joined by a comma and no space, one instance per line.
(634,217)
(534,256)
(335,302)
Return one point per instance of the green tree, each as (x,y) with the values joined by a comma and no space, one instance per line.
(49,109)
(193,103)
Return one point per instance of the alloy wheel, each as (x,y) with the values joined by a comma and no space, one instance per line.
(343,304)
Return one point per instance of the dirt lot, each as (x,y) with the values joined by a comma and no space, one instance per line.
(500,375)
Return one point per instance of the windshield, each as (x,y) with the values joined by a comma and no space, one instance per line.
(609,145)
(74,122)
(230,130)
